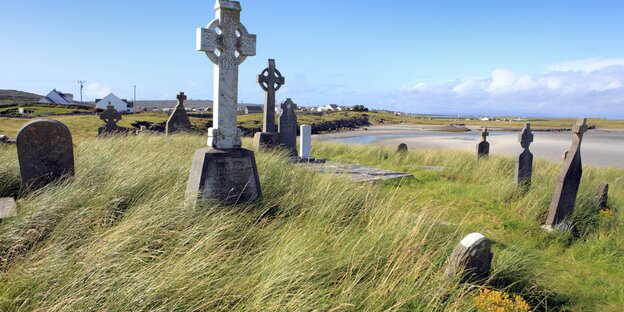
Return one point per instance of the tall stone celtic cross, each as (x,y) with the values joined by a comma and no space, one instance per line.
(270,81)
(227,44)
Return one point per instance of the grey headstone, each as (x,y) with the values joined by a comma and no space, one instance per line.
(178,120)
(270,81)
(305,142)
(288,127)
(227,176)
(564,199)
(402,148)
(471,258)
(524,164)
(8,208)
(483,148)
(602,196)
(110,117)
(45,153)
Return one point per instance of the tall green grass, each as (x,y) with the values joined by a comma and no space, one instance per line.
(117,236)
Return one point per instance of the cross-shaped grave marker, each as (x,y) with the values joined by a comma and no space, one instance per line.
(524,164)
(564,199)
(483,148)
(110,117)
(227,44)
(270,81)
(178,120)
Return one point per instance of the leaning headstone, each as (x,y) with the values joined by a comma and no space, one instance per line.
(270,81)
(8,208)
(524,164)
(602,196)
(483,148)
(402,148)
(305,144)
(471,259)
(179,120)
(45,153)
(225,172)
(288,127)
(110,117)
(564,199)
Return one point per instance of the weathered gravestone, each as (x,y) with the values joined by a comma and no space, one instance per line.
(225,172)
(179,120)
(288,127)
(524,164)
(45,153)
(483,148)
(471,259)
(110,117)
(305,144)
(402,148)
(8,208)
(270,81)
(602,196)
(562,205)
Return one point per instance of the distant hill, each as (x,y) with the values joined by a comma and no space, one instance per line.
(18,96)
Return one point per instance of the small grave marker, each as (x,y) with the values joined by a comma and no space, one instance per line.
(402,148)
(288,127)
(602,196)
(8,208)
(564,199)
(305,145)
(483,148)
(471,258)
(524,164)
(178,120)
(45,153)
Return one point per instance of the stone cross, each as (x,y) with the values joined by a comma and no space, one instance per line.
(270,81)
(564,199)
(524,164)
(110,117)
(305,144)
(178,121)
(602,196)
(288,127)
(471,259)
(227,44)
(483,148)
(45,153)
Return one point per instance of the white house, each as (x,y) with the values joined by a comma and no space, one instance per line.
(119,104)
(57,97)
(329,108)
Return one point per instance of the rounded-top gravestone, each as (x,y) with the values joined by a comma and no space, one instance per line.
(402,148)
(45,153)
(471,258)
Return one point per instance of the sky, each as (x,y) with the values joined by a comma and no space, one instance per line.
(556,58)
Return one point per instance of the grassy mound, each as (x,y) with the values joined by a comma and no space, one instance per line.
(117,236)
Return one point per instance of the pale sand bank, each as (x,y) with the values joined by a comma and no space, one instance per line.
(600,147)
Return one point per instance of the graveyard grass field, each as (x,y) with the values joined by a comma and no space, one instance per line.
(117,236)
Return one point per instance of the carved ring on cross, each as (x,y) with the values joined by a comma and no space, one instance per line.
(264,84)
(214,30)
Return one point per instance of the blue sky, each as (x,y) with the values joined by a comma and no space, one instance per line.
(528,58)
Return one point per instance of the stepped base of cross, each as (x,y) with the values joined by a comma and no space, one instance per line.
(265,140)
(225,176)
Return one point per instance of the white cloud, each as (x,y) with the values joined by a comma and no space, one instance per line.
(96,90)
(585,88)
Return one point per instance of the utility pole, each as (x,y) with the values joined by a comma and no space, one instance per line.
(134,103)
(81,82)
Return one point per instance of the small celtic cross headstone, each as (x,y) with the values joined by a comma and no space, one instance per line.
(110,117)
(524,164)
(179,120)
(227,44)
(564,199)
(270,81)
(483,148)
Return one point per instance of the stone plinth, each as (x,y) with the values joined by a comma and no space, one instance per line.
(45,153)
(227,176)
(305,141)
(471,259)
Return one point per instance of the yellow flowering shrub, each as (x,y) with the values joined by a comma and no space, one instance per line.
(489,300)
(607,213)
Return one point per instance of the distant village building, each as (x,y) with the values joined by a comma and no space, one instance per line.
(251,109)
(57,97)
(329,108)
(121,105)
